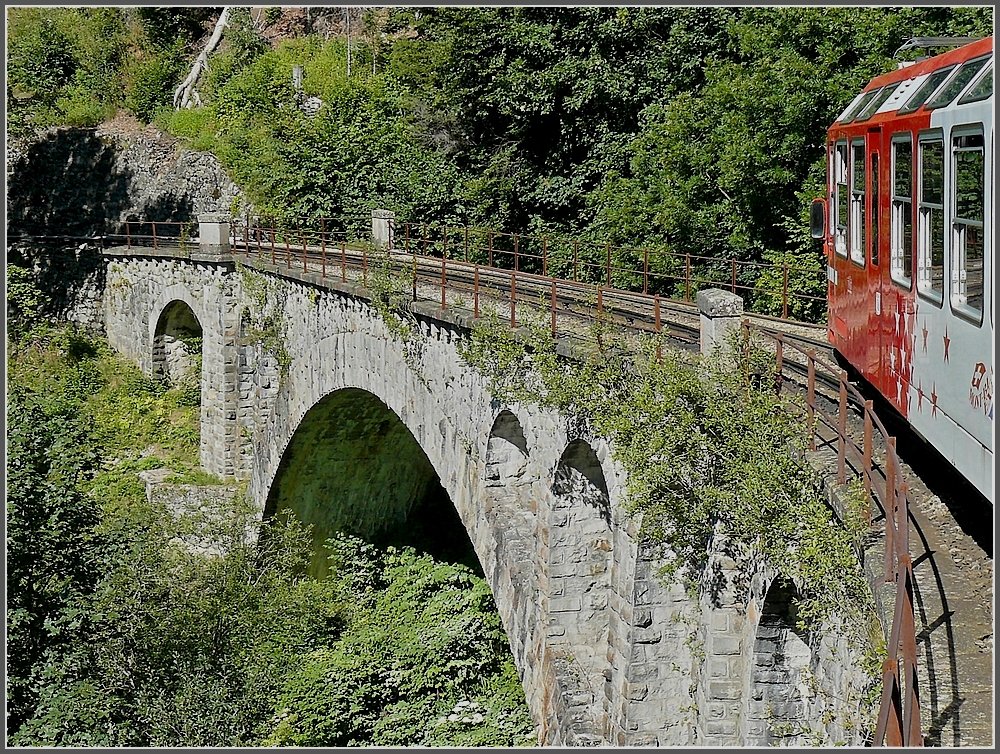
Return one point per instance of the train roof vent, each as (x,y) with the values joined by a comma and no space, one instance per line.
(923,43)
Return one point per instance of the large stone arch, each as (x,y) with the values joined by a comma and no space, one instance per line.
(353,466)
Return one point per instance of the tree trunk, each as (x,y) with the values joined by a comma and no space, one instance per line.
(186,95)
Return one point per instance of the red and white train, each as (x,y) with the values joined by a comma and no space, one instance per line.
(908,231)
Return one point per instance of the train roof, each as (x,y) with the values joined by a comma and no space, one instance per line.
(965,73)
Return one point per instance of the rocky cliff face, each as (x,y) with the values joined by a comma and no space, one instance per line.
(69,186)
(88,181)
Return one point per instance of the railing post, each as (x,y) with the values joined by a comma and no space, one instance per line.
(288,251)
(414,271)
(128,235)
(552,302)
(475,292)
(657,327)
(891,532)
(779,364)
(867,450)
(444,283)
(274,233)
(513,299)
(734,276)
(343,259)
(153,225)
(305,264)
(515,254)
(784,290)
(842,430)
(811,397)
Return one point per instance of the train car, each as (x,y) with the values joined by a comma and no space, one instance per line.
(907,225)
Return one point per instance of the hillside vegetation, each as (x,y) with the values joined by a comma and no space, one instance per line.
(695,129)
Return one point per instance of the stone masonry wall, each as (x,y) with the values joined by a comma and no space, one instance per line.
(608,652)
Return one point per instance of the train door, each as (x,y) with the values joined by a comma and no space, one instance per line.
(874,299)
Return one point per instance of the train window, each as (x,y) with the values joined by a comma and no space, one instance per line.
(902,211)
(874,190)
(957,83)
(841,198)
(967,281)
(930,228)
(857,221)
(877,102)
(926,89)
(861,104)
(981,89)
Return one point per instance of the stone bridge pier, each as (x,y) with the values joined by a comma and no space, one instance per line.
(312,398)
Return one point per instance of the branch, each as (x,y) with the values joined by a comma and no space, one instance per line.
(186,95)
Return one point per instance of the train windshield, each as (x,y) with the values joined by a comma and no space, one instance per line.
(926,89)
(877,102)
(862,103)
(957,83)
(982,88)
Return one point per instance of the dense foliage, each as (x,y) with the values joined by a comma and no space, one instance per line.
(696,129)
(131,625)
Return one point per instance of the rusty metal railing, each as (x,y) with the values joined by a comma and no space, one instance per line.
(338,254)
(898,722)
(672,275)
(154,234)
(651,272)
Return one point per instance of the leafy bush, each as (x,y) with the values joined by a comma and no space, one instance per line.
(150,82)
(78,107)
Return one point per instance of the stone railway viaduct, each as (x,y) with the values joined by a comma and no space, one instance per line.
(608,653)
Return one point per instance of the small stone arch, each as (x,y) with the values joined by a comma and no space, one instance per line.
(177,344)
(580,558)
(780,665)
(506,452)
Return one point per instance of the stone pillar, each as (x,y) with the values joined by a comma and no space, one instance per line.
(382,226)
(720,318)
(213,230)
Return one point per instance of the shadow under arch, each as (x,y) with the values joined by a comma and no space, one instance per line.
(177,344)
(353,466)
(781,662)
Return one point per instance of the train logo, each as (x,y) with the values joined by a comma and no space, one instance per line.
(981,390)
